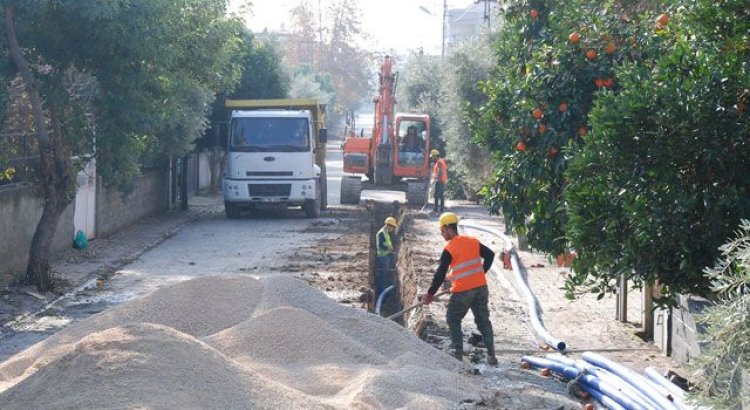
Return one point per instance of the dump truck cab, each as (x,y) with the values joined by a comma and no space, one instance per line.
(275,155)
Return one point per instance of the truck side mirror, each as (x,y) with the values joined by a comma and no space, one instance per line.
(323,136)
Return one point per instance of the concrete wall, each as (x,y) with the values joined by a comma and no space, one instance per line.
(204,172)
(20,211)
(686,333)
(115,211)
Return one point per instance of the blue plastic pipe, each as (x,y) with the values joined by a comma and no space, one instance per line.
(651,391)
(657,378)
(607,401)
(533,304)
(587,381)
(626,388)
(382,297)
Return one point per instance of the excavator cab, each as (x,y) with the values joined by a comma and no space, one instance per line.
(411,152)
(395,156)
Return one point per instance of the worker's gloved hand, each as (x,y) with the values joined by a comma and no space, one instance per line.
(428,298)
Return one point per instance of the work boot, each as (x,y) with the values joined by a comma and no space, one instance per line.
(492,360)
(457,354)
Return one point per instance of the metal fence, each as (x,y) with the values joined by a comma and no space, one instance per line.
(19,157)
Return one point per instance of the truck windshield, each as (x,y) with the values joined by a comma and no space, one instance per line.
(259,134)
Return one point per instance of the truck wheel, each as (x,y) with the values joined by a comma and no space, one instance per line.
(312,206)
(351,190)
(232,210)
(416,193)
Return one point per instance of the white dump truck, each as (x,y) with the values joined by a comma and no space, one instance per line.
(275,155)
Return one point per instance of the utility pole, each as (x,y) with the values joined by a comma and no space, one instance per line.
(487,12)
(445,14)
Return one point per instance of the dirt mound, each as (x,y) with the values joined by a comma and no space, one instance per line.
(270,343)
(199,307)
(147,366)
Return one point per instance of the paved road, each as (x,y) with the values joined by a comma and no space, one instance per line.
(212,246)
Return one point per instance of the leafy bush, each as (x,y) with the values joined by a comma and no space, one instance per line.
(553,59)
(726,363)
(663,180)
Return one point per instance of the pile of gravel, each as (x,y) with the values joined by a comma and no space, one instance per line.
(234,342)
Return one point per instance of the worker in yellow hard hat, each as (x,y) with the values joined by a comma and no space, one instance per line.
(463,263)
(439,178)
(384,260)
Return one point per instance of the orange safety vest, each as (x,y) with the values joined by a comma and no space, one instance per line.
(466,270)
(440,171)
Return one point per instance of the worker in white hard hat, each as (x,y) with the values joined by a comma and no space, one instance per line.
(385,259)
(464,262)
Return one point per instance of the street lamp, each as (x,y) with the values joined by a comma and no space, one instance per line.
(445,12)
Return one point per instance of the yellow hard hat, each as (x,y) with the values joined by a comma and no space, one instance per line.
(448,218)
(434,153)
(391,221)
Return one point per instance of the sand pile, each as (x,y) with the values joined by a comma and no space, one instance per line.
(234,342)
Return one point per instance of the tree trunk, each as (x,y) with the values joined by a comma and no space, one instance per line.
(216,160)
(54,177)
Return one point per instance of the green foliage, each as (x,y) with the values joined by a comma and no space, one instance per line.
(467,65)
(308,84)
(418,90)
(262,76)
(142,73)
(538,68)
(662,180)
(726,361)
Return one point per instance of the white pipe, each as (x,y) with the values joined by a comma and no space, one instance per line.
(533,304)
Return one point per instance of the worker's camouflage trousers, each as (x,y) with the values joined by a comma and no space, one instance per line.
(459,304)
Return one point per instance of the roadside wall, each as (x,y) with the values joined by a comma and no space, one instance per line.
(115,210)
(20,211)
(686,333)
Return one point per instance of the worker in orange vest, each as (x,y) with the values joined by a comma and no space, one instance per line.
(468,260)
(440,178)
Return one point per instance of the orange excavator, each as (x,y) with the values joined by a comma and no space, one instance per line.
(395,156)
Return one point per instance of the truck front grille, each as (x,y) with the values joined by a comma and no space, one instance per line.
(258,190)
(270,174)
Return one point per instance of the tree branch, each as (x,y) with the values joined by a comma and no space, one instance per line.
(28,77)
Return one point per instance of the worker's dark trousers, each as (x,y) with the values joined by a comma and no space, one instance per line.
(382,269)
(459,304)
(439,197)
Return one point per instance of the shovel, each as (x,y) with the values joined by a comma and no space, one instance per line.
(414,306)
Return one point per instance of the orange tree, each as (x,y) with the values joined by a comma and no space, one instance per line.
(553,60)
(665,176)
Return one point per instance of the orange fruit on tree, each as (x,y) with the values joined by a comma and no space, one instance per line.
(537,113)
(591,54)
(662,20)
(582,131)
(611,48)
(574,38)
(609,83)
(599,83)
(563,106)
(521,146)
(534,14)
(542,128)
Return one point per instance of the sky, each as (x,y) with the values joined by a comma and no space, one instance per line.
(400,25)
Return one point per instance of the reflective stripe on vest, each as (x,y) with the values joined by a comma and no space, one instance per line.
(467,270)
(387,238)
(440,171)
